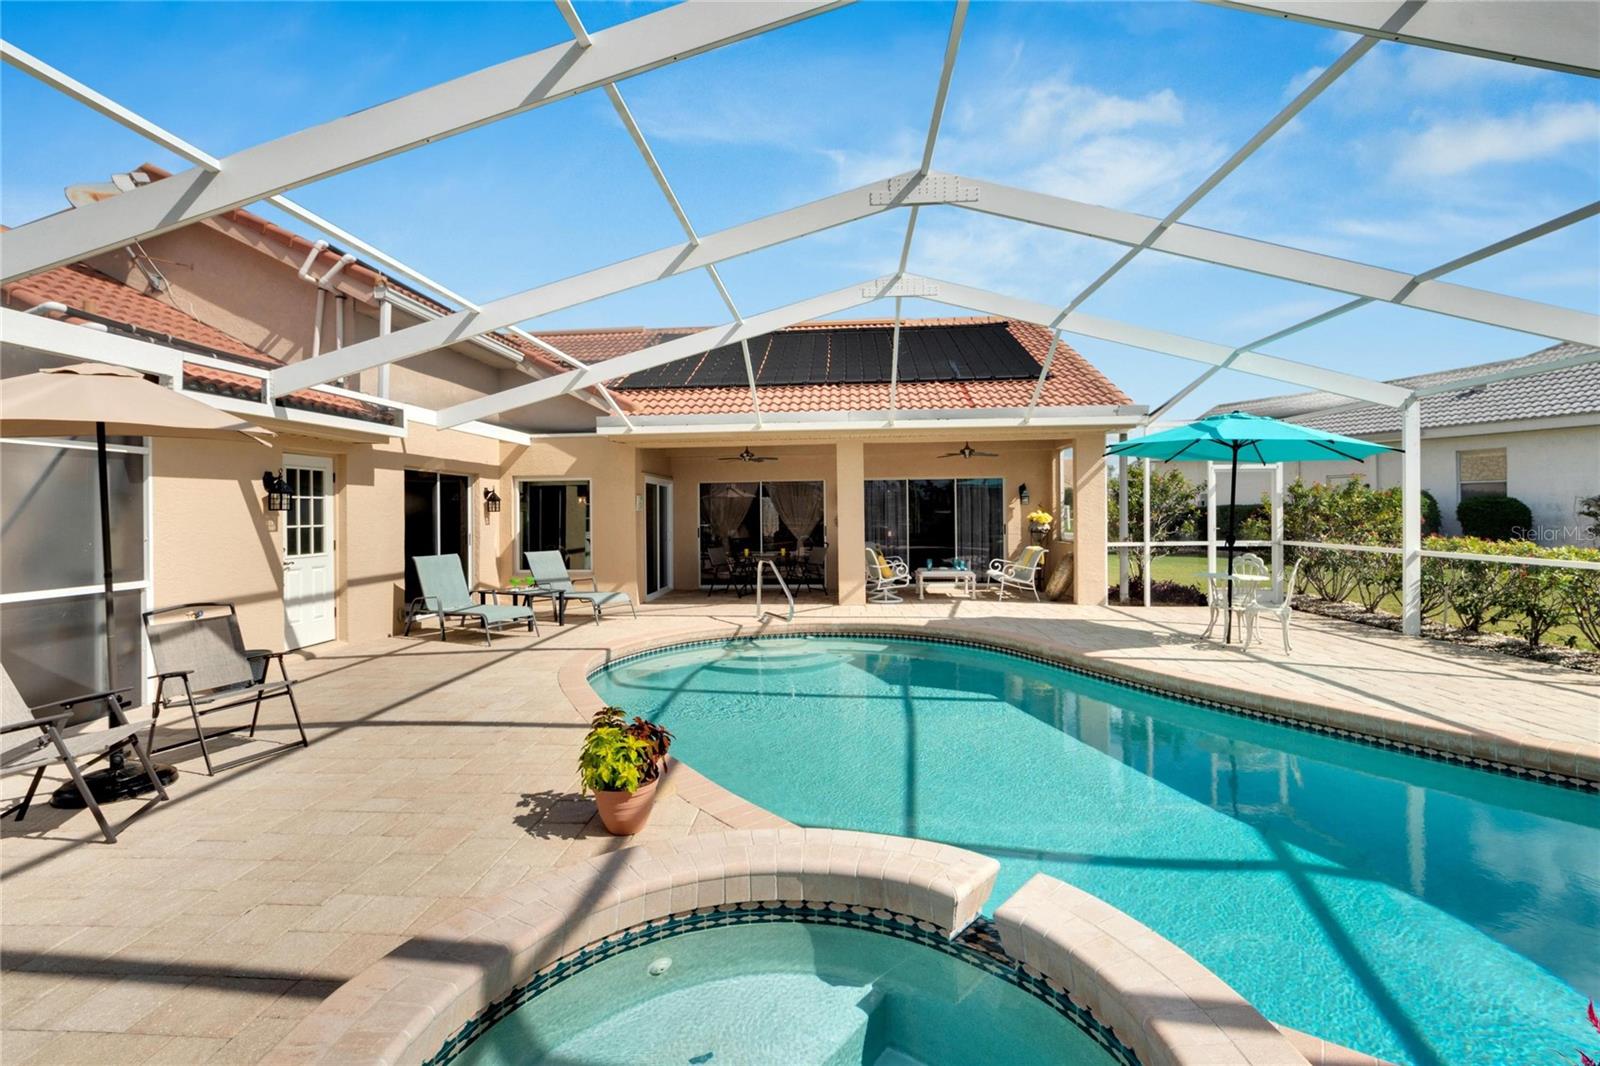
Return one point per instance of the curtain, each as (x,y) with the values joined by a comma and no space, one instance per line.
(980,521)
(799,503)
(726,507)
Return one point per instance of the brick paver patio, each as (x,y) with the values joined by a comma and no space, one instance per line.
(442,773)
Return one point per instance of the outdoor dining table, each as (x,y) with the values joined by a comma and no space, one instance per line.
(1249,580)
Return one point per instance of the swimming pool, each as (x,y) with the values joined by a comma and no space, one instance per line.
(1419,911)
(780,993)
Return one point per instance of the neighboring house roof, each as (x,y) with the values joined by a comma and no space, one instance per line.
(1565,390)
(1073,381)
(91,296)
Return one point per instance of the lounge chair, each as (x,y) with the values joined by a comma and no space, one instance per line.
(550,574)
(886,575)
(198,647)
(1018,573)
(34,742)
(445,594)
(1274,604)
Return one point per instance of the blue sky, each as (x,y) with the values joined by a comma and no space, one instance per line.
(1414,157)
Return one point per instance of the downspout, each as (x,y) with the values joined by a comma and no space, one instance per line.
(317,248)
(385,322)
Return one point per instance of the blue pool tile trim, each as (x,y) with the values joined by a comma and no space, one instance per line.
(1492,766)
(978,946)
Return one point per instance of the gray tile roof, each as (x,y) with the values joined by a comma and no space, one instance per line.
(1568,390)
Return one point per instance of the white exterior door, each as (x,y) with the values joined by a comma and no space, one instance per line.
(308,593)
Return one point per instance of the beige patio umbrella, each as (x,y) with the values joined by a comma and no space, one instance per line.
(85,398)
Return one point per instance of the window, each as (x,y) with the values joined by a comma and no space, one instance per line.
(438,520)
(933,521)
(554,516)
(1481,473)
(52,611)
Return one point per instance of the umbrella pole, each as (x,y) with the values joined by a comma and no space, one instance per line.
(115,782)
(1233,517)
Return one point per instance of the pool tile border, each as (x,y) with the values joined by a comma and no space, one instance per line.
(1306,724)
(979,946)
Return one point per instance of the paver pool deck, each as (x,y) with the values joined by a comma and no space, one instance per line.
(440,774)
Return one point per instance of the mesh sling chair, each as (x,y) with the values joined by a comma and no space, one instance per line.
(549,572)
(445,594)
(29,742)
(197,648)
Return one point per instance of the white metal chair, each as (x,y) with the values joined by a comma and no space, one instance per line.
(885,576)
(1244,593)
(1018,573)
(1276,604)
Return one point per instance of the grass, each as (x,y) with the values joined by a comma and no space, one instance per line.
(1190,570)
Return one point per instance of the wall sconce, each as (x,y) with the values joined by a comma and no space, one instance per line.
(1022,493)
(491,501)
(279,494)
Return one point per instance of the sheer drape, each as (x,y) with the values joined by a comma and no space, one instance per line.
(980,521)
(886,516)
(799,503)
(726,507)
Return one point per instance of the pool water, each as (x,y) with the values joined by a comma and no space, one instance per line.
(784,993)
(1419,911)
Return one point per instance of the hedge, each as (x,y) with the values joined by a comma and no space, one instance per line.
(1494,517)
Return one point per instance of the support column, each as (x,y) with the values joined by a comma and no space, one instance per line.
(1411,518)
(1277,528)
(1089,523)
(1122,524)
(1211,517)
(1147,563)
(850,520)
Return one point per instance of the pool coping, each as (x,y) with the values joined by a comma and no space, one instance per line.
(436,992)
(1554,763)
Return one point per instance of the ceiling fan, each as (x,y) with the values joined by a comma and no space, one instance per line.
(968,452)
(748,456)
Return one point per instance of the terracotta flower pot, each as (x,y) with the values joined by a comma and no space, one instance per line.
(625,813)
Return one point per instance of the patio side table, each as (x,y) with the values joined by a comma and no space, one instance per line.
(966,579)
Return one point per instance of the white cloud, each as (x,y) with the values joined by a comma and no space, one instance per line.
(1450,148)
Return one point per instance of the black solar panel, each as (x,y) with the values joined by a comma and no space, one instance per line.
(852,355)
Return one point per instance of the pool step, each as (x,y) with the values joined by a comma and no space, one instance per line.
(761,1020)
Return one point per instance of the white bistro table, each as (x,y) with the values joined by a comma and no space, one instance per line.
(1249,581)
(966,579)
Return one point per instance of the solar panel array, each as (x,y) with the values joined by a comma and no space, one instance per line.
(984,351)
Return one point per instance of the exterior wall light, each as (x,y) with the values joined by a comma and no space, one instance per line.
(1022,493)
(279,495)
(491,501)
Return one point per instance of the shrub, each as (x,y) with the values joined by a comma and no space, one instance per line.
(1494,517)
(1432,522)
(620,756)
(1172,510)
(1583,592)
(1534,600)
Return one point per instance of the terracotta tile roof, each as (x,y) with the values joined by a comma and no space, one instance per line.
(1073,381)
(88,292)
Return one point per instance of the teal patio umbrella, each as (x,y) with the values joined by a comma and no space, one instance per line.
(1224,438)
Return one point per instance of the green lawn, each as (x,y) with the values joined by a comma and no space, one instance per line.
(1190,570)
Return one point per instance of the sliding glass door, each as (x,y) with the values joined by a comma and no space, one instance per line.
(762,516)
(438,518)
(554,516)
(931,522)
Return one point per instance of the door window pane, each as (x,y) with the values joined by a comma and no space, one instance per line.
(50,516)
(554,516)
(932,522)
(886,516)
(438,520)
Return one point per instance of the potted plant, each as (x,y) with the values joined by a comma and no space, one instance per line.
(621,764)
(1039,523)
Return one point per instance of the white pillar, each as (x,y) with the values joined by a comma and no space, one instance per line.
(1277,528)
(1145,549)
(1411,517)
(1122,524)
(1211,517)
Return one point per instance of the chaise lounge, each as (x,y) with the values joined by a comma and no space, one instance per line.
(445,594)
(550,574)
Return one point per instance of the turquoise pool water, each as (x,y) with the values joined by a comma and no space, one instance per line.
(1418,911)
(784,994)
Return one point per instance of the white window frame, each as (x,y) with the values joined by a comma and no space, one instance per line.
(144,685)
(1463,453)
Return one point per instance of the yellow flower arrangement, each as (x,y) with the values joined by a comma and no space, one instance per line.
(1040,518)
